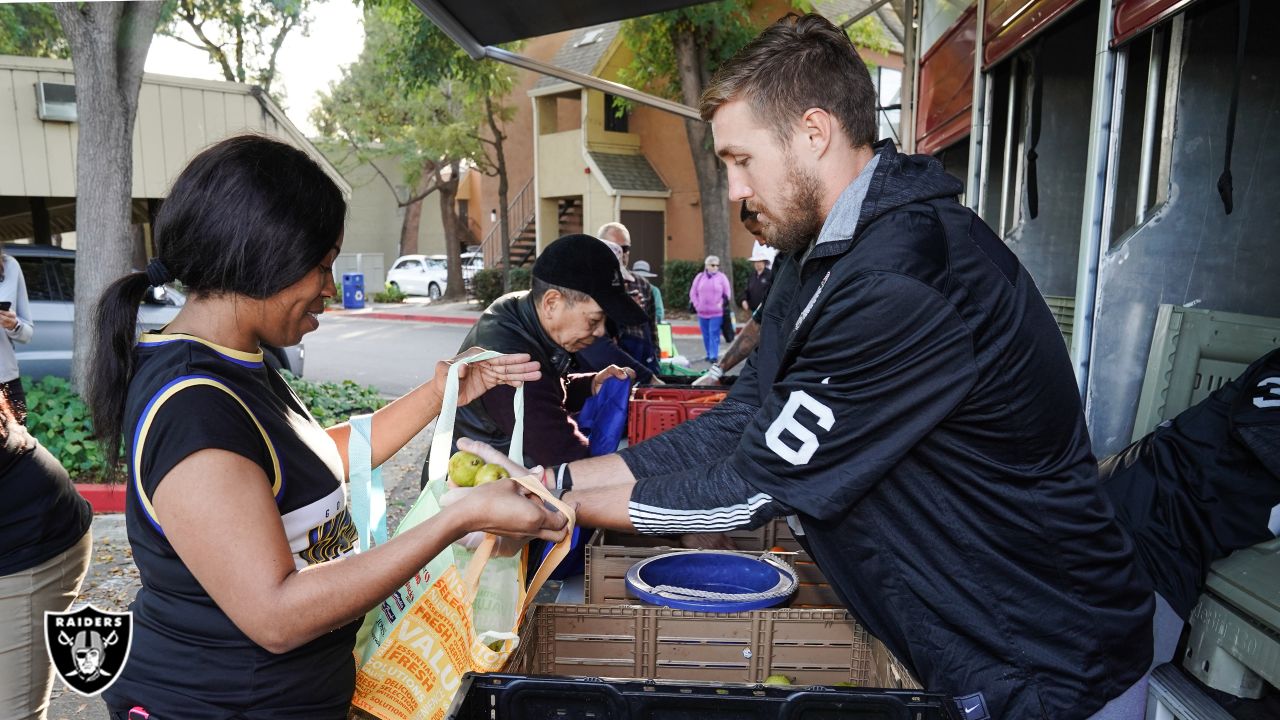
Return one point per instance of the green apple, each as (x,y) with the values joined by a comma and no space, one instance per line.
(463,467)
(777,680)
(489,473)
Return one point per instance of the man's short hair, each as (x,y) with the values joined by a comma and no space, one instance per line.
(799,62)
(619,228)
(538,288)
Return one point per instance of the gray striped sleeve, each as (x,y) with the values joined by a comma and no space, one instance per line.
(710,498)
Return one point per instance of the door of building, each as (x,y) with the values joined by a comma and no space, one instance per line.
(647,238)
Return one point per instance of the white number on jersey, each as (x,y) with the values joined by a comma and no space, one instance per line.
(787,422)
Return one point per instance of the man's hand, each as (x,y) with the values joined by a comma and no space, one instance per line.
(492,456)
(613,371)
(711,377)
(746,306)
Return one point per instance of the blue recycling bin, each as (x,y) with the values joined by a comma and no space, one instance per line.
(352,290)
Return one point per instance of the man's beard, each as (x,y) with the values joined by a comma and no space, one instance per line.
(801,217)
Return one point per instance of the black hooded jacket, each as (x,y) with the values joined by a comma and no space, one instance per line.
(912,403)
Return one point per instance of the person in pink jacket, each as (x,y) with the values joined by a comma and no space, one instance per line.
(708,294)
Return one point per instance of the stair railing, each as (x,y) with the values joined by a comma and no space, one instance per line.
(520,213)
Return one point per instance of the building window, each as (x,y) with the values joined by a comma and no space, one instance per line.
(889,87)
(1005,175)
(936,17)
(617,114)
(1143,104)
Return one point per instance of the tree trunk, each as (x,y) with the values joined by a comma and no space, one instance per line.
(504,212)
(713,182)
(448,191)
(109,43)
(413,214)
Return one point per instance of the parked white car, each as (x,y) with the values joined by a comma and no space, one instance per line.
(419,275)
(50,273)
(428,274)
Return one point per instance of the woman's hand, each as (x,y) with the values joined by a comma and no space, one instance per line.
(613,371)
(9,319)
(475,379)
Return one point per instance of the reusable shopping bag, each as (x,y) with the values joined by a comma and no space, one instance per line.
(461,612)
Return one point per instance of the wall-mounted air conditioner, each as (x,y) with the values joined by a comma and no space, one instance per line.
(56,102)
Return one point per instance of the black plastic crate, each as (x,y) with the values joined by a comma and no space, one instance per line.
(521,697)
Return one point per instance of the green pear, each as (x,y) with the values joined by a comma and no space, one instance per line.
(463,467)
(777,680)
(489,473)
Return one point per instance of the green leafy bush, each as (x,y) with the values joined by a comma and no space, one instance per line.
(487,283)
(521,278)
(677,277)
(487,286)
(59,419)
(391,294)
(334,402)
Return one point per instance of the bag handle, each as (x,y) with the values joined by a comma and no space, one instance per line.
(368,497)
(442,437)
(475,568)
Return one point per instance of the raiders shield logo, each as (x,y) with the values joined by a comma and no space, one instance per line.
(88,646)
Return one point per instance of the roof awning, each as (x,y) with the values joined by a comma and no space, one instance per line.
(499,21)
(479,27)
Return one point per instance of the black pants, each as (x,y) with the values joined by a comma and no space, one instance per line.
(17,398)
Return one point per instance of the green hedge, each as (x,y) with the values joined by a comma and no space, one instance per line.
(60,420)
(677,276)
(391,294)
(487,283)
(334,402)
(741,272)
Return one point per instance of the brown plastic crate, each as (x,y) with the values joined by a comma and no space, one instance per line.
(811,646)
(610,554)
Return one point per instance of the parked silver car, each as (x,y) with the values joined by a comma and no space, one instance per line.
(50,273)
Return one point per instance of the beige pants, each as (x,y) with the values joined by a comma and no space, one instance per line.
(26,675)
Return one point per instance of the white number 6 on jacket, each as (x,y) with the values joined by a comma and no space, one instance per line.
(786,421)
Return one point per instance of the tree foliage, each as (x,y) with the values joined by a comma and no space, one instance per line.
(32,29)
(242,37)
(720,30)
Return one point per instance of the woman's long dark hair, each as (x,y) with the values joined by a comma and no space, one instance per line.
(248,216)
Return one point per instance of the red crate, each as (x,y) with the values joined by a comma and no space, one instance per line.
(655,410)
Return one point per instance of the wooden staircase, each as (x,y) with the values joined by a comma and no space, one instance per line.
(524,240)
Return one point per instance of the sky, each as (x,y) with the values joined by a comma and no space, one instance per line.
(304,67)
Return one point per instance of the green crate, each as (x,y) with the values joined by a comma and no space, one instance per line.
(1193,353)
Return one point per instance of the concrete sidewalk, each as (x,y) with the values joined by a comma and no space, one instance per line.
(420,309)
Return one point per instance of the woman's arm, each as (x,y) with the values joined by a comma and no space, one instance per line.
(217,511)
(397,423)
(17,321)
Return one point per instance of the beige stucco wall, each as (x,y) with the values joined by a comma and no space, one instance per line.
(177,117)
(560,165)
(374,217)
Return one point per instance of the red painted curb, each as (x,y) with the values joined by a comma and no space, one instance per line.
(451,320)
(103,498)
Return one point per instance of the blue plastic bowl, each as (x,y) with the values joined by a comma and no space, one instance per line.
(714,571)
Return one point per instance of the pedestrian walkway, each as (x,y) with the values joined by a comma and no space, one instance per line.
(420,309)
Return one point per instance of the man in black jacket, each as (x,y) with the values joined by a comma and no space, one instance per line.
(910,408)
(576,284)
